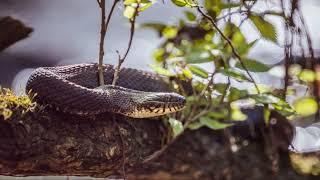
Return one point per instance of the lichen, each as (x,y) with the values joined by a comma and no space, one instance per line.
(9,102)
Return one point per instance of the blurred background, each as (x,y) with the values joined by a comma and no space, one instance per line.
(67,32)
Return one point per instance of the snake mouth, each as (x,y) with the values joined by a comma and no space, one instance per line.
(158,104)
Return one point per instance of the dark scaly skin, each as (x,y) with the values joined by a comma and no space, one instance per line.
(74,89)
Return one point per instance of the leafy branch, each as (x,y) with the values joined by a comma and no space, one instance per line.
(235,53)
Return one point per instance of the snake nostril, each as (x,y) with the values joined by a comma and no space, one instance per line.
(183,100)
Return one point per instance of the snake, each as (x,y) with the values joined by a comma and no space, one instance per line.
(75,89)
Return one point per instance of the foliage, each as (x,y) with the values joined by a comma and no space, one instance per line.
(218,41)
(9,101)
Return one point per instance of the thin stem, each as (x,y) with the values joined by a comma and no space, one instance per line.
(287,48)
(103,31)
(235,53)
(122,59)
(99,3)
(231,13)
(313,62)
(102,6)
(110,13)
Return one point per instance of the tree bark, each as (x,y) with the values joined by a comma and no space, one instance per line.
(46,142)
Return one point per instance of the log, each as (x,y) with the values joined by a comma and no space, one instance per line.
(45,142)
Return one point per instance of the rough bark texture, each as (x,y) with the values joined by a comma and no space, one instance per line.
(11,31)
(47,142)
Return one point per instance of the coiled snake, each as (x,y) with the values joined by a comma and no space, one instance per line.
(74,89)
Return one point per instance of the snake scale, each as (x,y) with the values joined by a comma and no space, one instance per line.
(74,89)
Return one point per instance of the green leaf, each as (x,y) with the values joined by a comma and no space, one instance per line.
(266,29)
(236,94)
(266,98)
(129,12)
(155,26)
(220,87)
(144,6)
(182,3)
(213,124)
(236,113)
(307,75)
(262,89)
(214,7)
(187,73)
(169,32)
(234,74)
(199,86)
(179,3)
(195,125)
(129,2)
(245,47)
(235,35)
(229,5)
(158,54)
(196,70)
(176,126)
(161,70)
(218,114)
(198,56)
(253,65)
(190,15)
(284,109)
(279,104)
(306,106)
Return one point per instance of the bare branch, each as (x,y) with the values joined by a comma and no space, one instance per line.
(122,59)
(313,61)
(110,13)
(103,31)
(99,3)
(102,5)
(235,53)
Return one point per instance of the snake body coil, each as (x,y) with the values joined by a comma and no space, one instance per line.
(74,89)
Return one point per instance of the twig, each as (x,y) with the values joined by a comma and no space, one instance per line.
(156,154)
(121,59)
(287,51)
(313,62)
(110,13)
(231,13)
(102,5)
(103,31)
(235,53)
(98,1)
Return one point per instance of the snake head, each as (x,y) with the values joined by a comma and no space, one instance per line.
(140,104)
(157,104)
